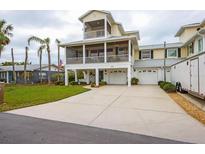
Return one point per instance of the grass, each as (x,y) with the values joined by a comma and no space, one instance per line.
(190,108)
(19,96)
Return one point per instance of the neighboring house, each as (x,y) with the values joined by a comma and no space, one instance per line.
(109,53)
(149,66)
(106,52)
(33,73)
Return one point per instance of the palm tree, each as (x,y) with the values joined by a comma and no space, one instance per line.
(44,42)
(13,65)
(58,44)
(25,63)
(5,33)
(40,50)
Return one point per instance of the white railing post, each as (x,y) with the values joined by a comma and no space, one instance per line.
(129,50)
(83,53)
(97,77)
(66,76)
(105,26)
(105,52)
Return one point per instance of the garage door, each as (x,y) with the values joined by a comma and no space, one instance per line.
(117,77)
(147,76)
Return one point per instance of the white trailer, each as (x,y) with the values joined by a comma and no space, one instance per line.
(189,75)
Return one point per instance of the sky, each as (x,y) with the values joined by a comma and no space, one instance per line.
(154,27)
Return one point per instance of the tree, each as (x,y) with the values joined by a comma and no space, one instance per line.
(25,63)
(5,34)
(40,50)
(44,42)
(13,65)
(58,44)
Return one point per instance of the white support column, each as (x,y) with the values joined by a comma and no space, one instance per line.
(129,50)
(83,30)
(76,75)
(66,77)
(105,25)
(83,53)
(129,76)
(7,77)
(97,77)
(88,77)
(105,52)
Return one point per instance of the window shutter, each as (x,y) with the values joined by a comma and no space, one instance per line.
(179,52)
(165,53)
(139,54)
(151,54)
(116,49)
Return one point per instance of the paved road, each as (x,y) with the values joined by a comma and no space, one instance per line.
(18,129)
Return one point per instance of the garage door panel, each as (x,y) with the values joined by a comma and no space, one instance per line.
(148,76)
(117,77)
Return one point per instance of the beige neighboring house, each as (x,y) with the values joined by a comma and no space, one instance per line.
(149,66)
(109,53)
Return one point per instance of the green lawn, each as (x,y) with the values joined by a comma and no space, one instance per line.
(19,96)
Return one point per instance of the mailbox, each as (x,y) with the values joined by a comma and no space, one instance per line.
(1,92)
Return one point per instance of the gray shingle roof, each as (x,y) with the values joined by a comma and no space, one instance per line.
(160,46)
(155,63)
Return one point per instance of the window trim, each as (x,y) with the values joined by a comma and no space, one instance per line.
(168,50)
(150,54)
(200,39)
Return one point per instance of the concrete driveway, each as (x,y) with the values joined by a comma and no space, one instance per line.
(144,110)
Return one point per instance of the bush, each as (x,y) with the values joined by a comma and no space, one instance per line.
(60,83)
(102,83)
(134,81)
(159,82)
(73,83)
(92,84)
(83,83)
(169,87)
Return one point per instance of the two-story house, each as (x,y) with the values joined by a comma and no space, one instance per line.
(106,51)
(151,59)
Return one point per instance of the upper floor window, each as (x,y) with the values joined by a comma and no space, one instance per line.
(146,54)
(172,53)
(191,48)
(200,45)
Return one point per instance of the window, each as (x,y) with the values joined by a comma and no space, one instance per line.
(122,50)
(200,45)
(191,48)
(146,54)
(172,53)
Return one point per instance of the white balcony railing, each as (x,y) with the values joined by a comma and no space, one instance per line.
(94,34)
(98,59)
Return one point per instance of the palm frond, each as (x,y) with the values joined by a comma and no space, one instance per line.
(40,49)
(47,40)
(35,39)
(58,41)
(2,23)
(7,30)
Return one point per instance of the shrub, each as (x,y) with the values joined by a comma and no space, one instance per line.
(83,83)
(73,83)
(92,84)
(61,83)
(102,83)
(159,82)
(169,87)
(134,81)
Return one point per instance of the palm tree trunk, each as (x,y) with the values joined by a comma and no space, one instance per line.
(58,63)
(49,64)
(40,66)
(25,63)
(14,73)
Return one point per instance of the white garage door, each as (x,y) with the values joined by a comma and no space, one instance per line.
(147,76)
(117,77)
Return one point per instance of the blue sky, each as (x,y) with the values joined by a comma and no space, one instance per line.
(154,27)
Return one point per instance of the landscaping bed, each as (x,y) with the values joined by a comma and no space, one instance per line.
(19,96)
(190,108)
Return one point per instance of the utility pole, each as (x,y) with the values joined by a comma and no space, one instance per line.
(164,61)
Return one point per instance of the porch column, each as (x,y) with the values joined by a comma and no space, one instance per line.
(97,77)
(66,77)
(129,76)
(76,75)
(83,53)
(105,52)
(88,77)
(129,50)
(7,77)
(105,25)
